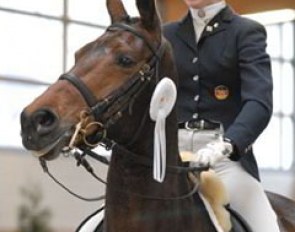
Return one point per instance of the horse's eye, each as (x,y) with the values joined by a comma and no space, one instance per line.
(125,61)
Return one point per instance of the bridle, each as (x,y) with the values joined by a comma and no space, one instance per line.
(108,110)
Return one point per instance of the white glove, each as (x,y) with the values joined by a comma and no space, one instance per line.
(212,153)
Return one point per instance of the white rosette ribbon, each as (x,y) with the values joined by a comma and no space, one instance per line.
(161,105)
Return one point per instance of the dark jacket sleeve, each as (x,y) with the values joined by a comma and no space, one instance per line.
(256,87)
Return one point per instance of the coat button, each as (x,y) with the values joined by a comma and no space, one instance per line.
(195,60)
(196,78)
(195,115)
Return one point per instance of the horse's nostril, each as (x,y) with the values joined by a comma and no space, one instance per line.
(45,121)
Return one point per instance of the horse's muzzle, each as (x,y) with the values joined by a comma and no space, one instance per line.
(36,128)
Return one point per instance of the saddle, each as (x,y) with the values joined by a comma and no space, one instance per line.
(216,200)
(214,196)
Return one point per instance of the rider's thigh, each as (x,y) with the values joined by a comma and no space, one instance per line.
(247,196)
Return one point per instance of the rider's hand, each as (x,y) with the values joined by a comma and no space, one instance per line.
(212,153)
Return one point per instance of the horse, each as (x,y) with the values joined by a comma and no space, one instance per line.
(105,98)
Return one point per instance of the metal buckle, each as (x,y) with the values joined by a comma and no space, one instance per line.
(201,127)
(186,126)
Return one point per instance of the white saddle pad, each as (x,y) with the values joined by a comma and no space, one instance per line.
(92,222)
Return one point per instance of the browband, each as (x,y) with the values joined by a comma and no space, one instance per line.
(127,27)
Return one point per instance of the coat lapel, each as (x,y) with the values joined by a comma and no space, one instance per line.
(186,32)
(218,23)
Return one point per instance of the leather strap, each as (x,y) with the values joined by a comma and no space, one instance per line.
(83,89)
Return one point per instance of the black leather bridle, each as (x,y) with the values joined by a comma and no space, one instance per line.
(108,110)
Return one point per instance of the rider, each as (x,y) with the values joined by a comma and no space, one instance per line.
(225,84)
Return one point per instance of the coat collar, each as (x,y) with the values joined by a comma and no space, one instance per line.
(186,29)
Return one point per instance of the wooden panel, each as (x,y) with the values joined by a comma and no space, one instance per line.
(174,9)
(246,6)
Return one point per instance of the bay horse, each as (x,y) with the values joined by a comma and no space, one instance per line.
(105,97)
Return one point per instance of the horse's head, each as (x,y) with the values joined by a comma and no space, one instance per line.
(106,83)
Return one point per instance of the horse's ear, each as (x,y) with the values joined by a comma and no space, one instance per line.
(116,10)
(148,13)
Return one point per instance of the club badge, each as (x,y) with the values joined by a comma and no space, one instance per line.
(221,92)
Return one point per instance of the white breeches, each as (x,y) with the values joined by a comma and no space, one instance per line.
(247,195)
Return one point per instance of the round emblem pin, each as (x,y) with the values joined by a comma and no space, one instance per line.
(221,92)
(201,13)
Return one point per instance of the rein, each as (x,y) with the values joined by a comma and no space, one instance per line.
(83,162)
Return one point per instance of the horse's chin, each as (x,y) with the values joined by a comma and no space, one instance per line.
(50,155)
(52,150)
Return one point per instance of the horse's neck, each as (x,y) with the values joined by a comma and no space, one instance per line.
(131,186)
(127,167)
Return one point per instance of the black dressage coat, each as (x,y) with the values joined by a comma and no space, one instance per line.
(226,77)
